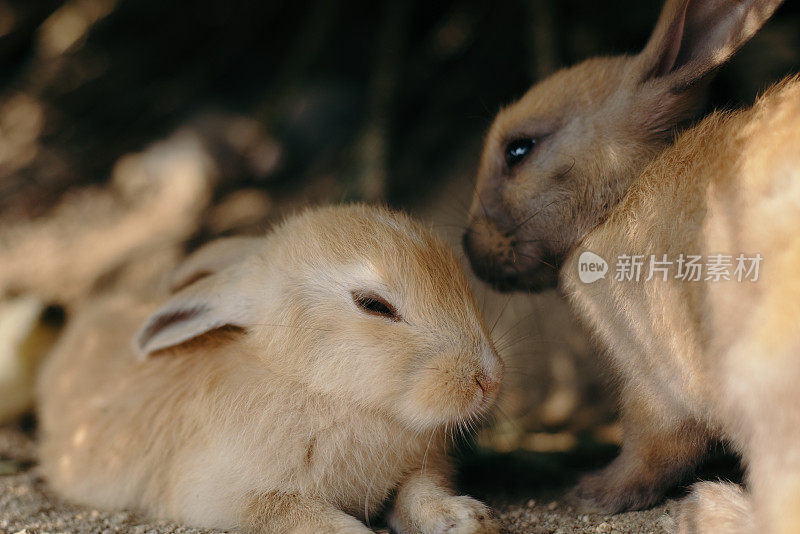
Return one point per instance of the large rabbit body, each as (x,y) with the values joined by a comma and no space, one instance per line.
(263,396)
(588,160)
(710,357)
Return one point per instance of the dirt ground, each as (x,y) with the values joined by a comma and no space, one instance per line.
(525,493)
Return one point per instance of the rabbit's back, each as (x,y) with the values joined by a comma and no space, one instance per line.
(195,434)
(733,184)
(105,418)
(183,435)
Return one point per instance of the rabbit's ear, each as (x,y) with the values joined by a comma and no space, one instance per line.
(212,258)
(693,37)
(203,307)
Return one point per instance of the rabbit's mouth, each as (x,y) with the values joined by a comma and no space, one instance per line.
(488,380)
(489,388)
(532,278)
(449,393)
(523,273)
(499,259)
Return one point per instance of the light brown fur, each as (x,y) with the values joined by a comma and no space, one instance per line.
(697,360)
(596,125)
(721,357)
(286,408)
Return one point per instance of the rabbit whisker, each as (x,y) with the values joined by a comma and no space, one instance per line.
(427,448)
(532,215)
(540,260)
(499,315)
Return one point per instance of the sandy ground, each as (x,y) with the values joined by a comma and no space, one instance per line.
(523,490)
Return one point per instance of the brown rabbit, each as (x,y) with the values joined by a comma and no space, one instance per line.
(556,161)
(293,383)
(556,165)
(715,355)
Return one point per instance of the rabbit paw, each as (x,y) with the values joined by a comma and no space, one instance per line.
(461,515)
(714,507)
(615,489)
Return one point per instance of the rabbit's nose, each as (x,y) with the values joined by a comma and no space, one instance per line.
(489,384)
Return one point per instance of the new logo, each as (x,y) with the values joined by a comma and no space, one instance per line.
(591,267)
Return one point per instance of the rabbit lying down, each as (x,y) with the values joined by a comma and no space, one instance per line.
(292,383)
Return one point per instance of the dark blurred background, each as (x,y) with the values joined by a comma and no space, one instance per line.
(383,98)
(131,131)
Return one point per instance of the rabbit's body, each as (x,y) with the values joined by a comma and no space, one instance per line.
(730,186)
(710,358)
(262,429)
(310,444)
(584,162)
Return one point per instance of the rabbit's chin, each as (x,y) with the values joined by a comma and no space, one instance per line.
(450,405)
(426,421)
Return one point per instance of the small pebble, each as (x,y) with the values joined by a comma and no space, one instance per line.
(120,517)
(552,506)
(603,528)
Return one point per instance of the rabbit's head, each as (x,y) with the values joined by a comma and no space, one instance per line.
(356,302)
(557,160)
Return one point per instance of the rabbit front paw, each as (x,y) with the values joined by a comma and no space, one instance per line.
(611,491)
(460,515)
(715,507)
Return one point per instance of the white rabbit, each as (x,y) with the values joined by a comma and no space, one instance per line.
(295,383)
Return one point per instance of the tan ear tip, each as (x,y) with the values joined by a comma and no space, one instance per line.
(139,343)
(138,349)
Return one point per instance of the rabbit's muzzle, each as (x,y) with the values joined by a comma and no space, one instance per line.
(496,257)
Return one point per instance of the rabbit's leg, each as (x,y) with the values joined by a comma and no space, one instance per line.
(277,512)
(658,449)
(425,504)
(761,409)
(774,479)
(715,508)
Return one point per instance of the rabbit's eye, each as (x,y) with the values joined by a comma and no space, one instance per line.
(518,149)
(375,305)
